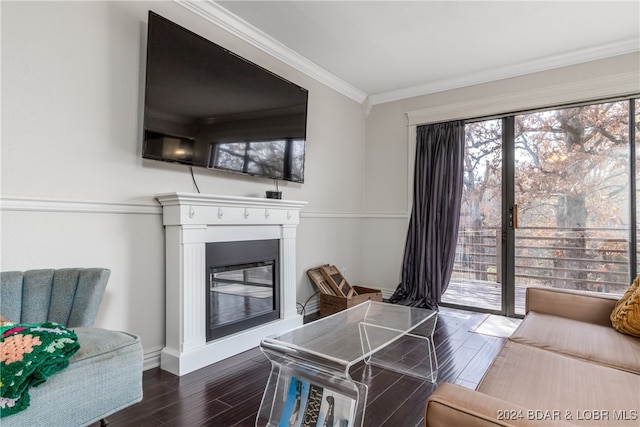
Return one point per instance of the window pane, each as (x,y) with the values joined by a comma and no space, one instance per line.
(637,129)
(572,187)
(476,277)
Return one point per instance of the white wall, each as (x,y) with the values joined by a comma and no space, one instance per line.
(389,151)
(75,191)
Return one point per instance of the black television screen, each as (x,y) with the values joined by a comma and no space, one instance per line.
(206,106)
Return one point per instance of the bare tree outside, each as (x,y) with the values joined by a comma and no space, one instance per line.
(572,181)
(278,159)
(476,273)
(572,190)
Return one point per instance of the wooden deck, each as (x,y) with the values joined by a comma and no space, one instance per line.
(481,294)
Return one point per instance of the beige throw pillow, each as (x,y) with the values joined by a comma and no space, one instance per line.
(625,316)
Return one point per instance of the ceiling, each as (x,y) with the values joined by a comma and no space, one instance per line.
(388,50)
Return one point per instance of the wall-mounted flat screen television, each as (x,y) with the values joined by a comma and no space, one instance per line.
(206,106)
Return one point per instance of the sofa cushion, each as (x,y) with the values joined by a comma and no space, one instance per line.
(542,380)
(625,316)
(587,341)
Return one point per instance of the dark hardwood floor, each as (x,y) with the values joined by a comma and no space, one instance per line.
(228,393)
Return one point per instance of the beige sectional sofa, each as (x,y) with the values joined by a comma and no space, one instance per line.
(564,365)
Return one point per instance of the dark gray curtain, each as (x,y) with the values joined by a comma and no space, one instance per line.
(433,227)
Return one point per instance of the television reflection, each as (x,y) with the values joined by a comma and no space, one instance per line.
(278,159)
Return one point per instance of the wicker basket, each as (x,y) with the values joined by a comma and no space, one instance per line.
(336,294)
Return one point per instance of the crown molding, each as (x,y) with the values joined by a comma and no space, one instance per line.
(221,17)
(240,28)
(582,90)
(543,64)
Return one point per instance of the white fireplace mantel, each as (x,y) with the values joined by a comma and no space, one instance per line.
(191,221)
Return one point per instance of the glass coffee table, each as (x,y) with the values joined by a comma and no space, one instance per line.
(310,382)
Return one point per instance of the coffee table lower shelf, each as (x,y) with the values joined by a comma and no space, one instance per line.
(297,392)
(310,382)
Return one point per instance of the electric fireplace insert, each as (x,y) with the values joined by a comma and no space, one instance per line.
(243,285)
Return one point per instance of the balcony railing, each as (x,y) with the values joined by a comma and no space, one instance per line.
(593,259)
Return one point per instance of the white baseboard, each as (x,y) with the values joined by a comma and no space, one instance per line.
(151,359)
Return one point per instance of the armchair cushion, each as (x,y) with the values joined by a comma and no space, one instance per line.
(103,376)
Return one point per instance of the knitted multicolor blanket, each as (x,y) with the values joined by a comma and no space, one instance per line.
(29,354)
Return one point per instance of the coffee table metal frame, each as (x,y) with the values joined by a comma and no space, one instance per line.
(323,352)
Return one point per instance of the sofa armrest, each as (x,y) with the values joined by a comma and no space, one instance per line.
(454,405)
(578,305)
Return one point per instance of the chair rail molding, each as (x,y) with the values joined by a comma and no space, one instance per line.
(37,204)
(353,215)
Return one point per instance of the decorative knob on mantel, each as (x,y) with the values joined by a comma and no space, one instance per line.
(220,213)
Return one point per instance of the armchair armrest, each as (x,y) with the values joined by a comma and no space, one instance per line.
(578,305)
(454,405)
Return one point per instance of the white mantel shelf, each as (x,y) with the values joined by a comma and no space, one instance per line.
(193,220)
(188,208)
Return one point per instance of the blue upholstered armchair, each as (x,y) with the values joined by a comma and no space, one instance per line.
(104,375)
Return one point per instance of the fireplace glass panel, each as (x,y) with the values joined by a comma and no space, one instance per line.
(241,296)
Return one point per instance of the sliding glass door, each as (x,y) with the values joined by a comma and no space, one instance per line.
(571,187)
(549,200)
(477,275)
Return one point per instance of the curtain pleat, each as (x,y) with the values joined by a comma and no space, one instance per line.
(433,227)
